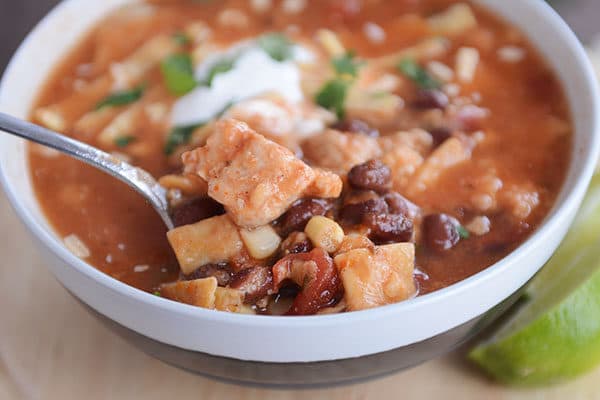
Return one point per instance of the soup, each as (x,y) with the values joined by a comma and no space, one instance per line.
(318,156)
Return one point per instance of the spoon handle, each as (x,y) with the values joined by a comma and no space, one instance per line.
(136,178)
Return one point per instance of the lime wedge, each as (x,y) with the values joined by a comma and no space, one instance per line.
(554,334)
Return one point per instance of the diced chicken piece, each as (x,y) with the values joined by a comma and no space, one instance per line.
(255,179)
(457,19)
(520,200)
(450,153)
(378,276)
(227,299)
(486,188)
(355,241)
(326,185)
(338,151)
(92,123)
(426,50)
(403,161)
(271,117)
(209,241)
(417,139)
(197,292)
(372,107)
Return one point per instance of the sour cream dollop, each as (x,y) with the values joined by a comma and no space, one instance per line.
(253,73)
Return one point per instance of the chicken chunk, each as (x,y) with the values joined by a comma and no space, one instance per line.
(204,293)
(377,276)
(209,241)
(403,162)
(254,178)
(339,152)
(198,292)
(452,152)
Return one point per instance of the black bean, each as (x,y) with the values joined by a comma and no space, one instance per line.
(431,98)
(296,242)
(440,135)
(356,126)
(296,218)
(220,271)
(354,213)
(255,282)
(397,204)
(389,228)
(196,210)
(440,232)
(372,175)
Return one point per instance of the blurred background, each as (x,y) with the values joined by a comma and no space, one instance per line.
(18,17)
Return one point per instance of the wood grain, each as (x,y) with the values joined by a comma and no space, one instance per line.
(50,348)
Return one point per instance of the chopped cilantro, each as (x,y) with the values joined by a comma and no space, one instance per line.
(412,70)
(463,232)
(333,96)
(124,141)
(219,68)
(346,65)
(178,73)
(181,38)
(157,293)
(122,97)
(179,135)
(276,45)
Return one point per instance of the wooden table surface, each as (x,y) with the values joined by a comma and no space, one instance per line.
(50,348)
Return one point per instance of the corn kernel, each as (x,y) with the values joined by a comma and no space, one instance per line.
(324,233)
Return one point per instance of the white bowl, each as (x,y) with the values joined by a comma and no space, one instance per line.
(299,339)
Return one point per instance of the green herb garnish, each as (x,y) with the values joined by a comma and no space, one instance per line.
(178,73)
(333,96)
(178,136)
(157,293)
(463,232)
(181,38)
(412,70)
(122,97)
(219,68)
(346,65)
(276,45)
(124,141)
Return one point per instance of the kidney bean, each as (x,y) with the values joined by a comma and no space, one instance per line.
(255,282)
(354,213)
(356,126)
(220,271)
(388,228)
(439,231)
(431,98)
(372,175)
(317,276)
(296,218)
(196,210)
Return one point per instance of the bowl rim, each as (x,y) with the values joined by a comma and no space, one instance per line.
(555,217)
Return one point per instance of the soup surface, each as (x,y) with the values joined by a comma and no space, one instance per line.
(319,156)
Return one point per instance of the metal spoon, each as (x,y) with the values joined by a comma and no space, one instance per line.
(135,177)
